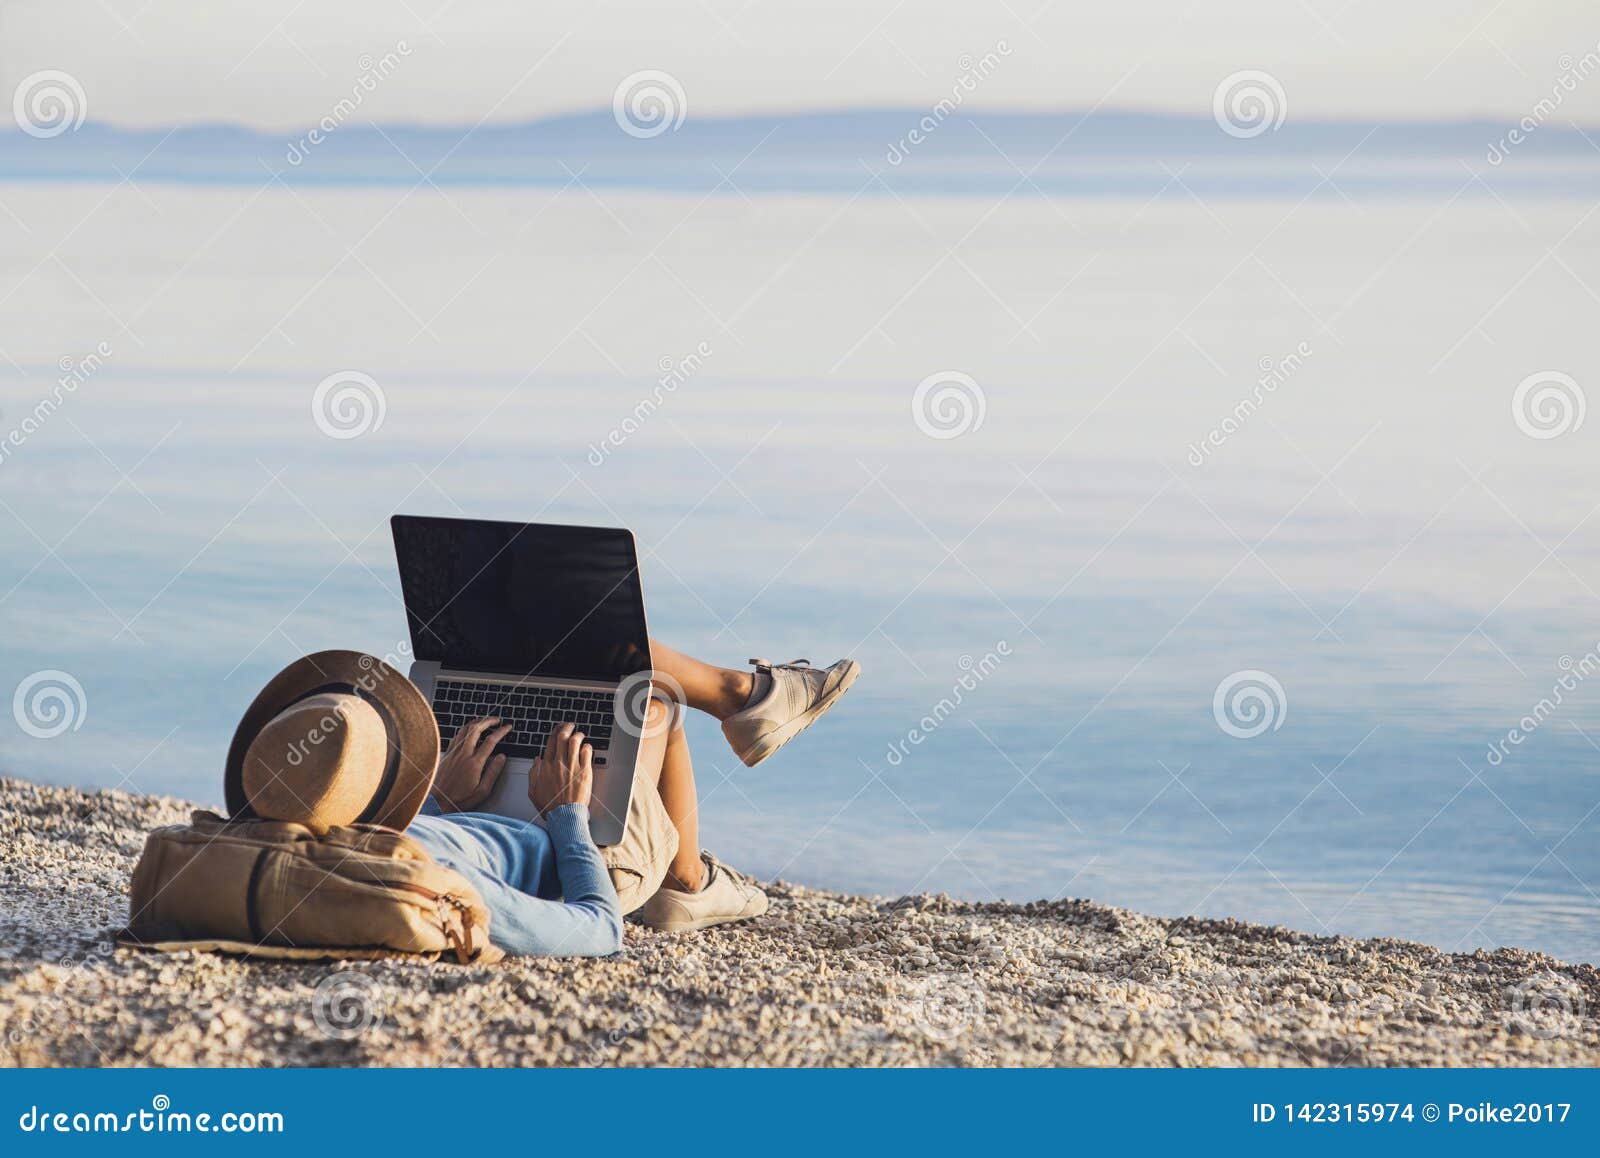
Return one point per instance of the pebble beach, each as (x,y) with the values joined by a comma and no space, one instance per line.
(825,979)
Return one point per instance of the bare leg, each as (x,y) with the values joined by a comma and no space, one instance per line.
(693,895)
(720,691)
(664,762)
(754,731)
(687,872)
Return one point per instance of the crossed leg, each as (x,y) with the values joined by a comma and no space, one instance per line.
(771,705)
(717,691)
(761,711)
(664,758)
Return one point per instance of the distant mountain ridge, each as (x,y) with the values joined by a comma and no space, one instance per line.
(875,150)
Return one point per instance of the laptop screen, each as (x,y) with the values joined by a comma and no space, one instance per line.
(523,599)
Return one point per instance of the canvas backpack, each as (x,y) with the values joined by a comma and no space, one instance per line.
(269,888)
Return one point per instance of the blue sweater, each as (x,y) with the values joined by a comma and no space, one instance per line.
(548,892)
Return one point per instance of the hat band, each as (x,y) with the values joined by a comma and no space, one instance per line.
(391,768)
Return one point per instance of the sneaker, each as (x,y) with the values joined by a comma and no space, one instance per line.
(797,695)
(725,896)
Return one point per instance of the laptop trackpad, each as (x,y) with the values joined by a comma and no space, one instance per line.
(510,798)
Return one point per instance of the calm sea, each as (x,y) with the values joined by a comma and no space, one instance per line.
(1200,551)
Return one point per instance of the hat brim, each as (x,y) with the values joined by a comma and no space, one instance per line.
(407,716)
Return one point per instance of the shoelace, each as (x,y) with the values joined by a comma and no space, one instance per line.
(766,665)
(715,866)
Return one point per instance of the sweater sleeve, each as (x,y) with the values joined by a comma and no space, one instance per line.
(586,922)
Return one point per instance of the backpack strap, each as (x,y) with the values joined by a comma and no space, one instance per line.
(252,896)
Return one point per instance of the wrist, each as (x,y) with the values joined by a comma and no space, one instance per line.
(568,824)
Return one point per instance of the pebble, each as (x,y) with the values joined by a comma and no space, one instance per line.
(824,979)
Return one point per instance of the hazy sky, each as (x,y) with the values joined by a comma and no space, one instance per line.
(284,64)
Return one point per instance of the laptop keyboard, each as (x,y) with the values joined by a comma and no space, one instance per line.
(532,711)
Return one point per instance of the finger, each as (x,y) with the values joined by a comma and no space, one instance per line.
(491,777)
(474,731)
(557,740)
(586,773)
(483,750)
(574,746)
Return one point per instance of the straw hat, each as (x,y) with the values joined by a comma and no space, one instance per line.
(336,738)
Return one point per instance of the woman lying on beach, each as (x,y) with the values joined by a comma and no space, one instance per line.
(550,890)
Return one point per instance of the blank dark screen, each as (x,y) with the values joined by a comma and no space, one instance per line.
(523,600)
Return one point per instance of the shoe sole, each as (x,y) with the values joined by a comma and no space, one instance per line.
(780,736)
(710,923)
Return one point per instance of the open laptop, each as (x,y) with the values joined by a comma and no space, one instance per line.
(538,624)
